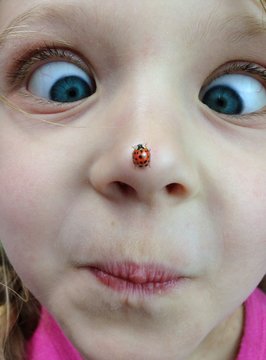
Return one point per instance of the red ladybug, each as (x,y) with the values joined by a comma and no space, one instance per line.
(141,156)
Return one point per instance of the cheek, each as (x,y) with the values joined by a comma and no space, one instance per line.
(241,206)
(18,199)
(27,213)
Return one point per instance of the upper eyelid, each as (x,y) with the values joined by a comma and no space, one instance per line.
(21,67)
(236,67)
(243,68)
(240,67)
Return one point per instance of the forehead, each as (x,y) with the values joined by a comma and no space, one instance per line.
(129,9)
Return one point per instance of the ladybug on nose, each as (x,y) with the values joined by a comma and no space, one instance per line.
(141,156)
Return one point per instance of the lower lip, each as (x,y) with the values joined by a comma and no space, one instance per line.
(136,280)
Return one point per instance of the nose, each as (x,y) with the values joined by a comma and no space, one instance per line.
(169,178)
(162,123)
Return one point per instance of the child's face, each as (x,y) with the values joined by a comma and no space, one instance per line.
(71,197)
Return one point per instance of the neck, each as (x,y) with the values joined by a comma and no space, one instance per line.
(223,342)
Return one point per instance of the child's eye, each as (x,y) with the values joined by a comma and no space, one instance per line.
(61,81)
(234,94)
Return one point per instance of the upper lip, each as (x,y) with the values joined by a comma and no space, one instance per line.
(138,273)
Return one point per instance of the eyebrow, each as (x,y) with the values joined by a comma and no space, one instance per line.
(19,27)
(241,27)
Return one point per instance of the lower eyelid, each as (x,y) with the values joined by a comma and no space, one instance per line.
(39,106)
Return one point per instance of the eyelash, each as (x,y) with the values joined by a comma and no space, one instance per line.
(23,66)
(242,67)
(248,68)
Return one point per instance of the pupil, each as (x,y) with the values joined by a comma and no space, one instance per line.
(70,89)
(72,92)
(221,102)
(223,99)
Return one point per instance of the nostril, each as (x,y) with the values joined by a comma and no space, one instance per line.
(125,189)
(175,189)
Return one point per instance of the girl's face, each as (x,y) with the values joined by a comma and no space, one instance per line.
(93,79)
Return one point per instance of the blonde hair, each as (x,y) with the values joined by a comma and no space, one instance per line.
(19,310)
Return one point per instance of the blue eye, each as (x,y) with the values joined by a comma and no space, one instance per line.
(62,82)
(234,94)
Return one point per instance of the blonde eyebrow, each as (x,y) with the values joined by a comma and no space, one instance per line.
(237,29)
(245,27)
(241,27)
(19,27)
(263,4)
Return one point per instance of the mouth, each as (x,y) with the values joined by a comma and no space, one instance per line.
(136,279)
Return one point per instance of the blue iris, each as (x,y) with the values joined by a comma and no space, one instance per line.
(223,99)
(70,89)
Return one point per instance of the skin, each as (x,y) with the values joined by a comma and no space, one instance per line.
(70,194)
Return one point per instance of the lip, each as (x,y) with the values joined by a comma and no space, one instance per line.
(136,279)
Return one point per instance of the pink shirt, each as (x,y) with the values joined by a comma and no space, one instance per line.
(49,342)
(253,344)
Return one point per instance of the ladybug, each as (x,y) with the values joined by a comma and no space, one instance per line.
(141,156)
